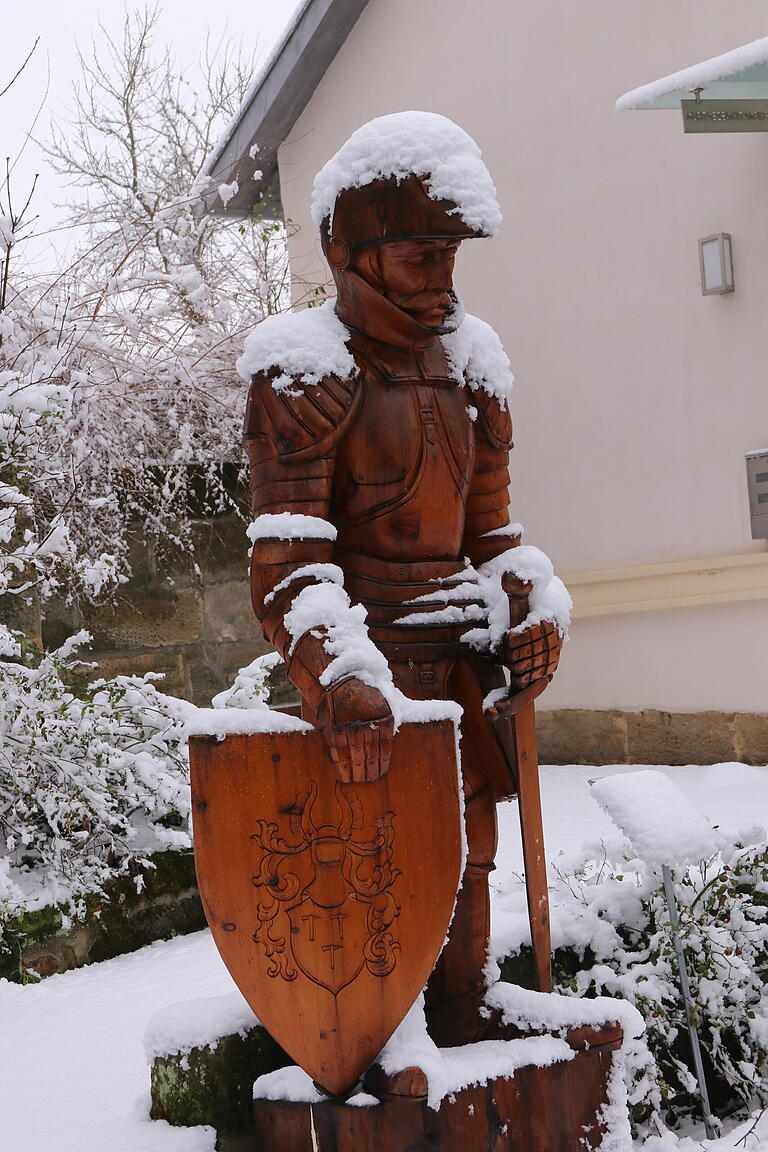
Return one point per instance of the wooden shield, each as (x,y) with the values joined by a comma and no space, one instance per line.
(328,902)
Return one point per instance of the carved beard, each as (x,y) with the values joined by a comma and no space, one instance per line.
(366,264)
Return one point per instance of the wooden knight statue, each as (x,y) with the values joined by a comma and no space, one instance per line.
(385,567)
(344,857)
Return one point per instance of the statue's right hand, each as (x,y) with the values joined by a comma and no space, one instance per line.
(358,726)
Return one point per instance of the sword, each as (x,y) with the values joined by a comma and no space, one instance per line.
(514,725)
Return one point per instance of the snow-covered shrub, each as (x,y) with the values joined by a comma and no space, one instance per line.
(92,779)
(100,445)
(615,918)
(119,410)
(253,684)
(94,776)
(44,543)
(89,776)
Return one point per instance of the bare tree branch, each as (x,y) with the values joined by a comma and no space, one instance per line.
(16,75)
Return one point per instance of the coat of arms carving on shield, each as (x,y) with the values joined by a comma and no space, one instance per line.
(326,888)
(321,899)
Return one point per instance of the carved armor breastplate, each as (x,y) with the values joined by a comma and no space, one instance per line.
(404,467)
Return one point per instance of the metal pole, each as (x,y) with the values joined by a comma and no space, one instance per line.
(669,891)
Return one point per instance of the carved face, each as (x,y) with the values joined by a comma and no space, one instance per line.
(415,275)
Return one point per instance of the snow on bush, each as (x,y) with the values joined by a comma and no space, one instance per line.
(92,780)
(251,686)
(119,425)
(243,709)
(611,928)
(116,378)
(94,777)
(37,549)
(100,444)
(89,776)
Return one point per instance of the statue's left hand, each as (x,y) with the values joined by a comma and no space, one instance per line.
(358,726)
(532,654)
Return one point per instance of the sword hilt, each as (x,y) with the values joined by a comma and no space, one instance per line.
(517,591)
(513,702)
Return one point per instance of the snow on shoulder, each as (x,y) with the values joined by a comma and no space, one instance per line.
(309,345)
(306,345)
(661,824)
(476,357)
(407,144)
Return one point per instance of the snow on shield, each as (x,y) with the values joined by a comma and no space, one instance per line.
(323,903)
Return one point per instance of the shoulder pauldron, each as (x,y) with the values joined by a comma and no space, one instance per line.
(302,421)
(494,419)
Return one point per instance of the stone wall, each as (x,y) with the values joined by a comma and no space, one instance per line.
(44,942)
(192,623)
(583,736)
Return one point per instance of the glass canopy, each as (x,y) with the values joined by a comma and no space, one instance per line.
(741,74)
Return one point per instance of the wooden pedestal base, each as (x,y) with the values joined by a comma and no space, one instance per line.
(552,1109)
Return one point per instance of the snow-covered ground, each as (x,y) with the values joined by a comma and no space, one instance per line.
(74,1075)
(734,796)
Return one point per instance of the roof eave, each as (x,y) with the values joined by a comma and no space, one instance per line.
(286,86)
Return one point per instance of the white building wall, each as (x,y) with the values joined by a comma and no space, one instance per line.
(636,397)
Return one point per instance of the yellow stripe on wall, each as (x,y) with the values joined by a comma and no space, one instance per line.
(652,587)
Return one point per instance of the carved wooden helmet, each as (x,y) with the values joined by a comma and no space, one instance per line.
(386,211)
(404,176)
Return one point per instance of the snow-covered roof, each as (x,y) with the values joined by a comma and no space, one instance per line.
(244,161)
(736,75)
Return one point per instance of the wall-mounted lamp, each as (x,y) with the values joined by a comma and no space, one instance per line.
(716,264)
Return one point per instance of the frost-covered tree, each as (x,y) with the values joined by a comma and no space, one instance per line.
(153,266)
(152,311)
(36,409)
(118,372)
(116,387)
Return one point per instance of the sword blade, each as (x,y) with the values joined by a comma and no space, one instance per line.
(523,726)
(514,724)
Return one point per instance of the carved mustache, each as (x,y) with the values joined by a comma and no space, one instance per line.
(424,301)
